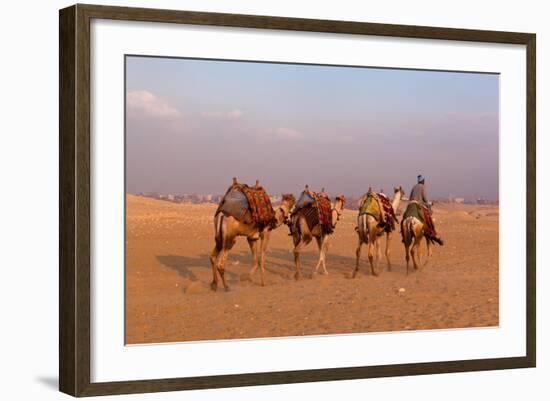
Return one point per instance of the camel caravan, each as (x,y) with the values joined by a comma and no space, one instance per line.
(246,211)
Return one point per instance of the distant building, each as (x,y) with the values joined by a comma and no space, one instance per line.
(458,200)
(185,198)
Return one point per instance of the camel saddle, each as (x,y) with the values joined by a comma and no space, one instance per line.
(316,209)
(379,206)
(422,213)
(248,204)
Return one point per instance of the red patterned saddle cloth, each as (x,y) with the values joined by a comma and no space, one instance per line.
(388,212)
(428,223)
(324,209)
(259,204)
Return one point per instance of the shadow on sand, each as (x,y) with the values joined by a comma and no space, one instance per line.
(185,265)
(188,266)
(335,263)
(280,262)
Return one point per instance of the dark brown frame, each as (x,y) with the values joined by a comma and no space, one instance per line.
(74,199)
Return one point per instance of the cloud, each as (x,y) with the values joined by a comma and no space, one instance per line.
(338,140)
(289,134)
(143,102)
(233,115)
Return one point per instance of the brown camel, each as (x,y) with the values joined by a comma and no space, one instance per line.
(302,234)
(228,228)
(369,231)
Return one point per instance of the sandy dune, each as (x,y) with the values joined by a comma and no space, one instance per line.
(168,274)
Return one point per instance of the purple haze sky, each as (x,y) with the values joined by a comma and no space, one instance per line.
(194,124)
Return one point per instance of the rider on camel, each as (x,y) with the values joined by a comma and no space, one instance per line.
(418,194)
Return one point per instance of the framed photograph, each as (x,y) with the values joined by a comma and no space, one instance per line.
(250,200)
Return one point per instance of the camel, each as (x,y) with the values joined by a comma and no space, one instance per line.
(302,235)
(228,228)
(412,232)
(370,232)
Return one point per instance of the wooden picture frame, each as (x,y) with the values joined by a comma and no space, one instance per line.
(74,199)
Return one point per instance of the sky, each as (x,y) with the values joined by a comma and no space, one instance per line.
(192,125)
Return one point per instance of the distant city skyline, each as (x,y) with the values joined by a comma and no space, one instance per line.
(192,125)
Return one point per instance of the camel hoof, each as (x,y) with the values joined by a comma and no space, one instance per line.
(297,276)
(214,286)
(226,289)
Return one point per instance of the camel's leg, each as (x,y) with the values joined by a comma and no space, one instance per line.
(415,254)
(378,254)
(429,251)
(371,257)
(215,255)
(407,256)
(253,244)
(214,262)
(322,244)
(263,249)
(419,252)
(221,266)
(302,242)
(324,250)
(387,251)
(357,257)
(227,245)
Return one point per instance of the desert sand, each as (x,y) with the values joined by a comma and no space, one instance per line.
(168,273)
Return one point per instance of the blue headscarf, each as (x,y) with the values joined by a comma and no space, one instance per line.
(420,179)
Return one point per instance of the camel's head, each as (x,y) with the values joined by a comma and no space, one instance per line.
(338,208)
(286,206)
(289,200)
(398,194)
(339,202)
(398,190)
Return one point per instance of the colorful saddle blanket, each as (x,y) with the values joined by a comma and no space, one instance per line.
(324,209)
(316,209)
(379,206)
(414,209)
(248,203)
